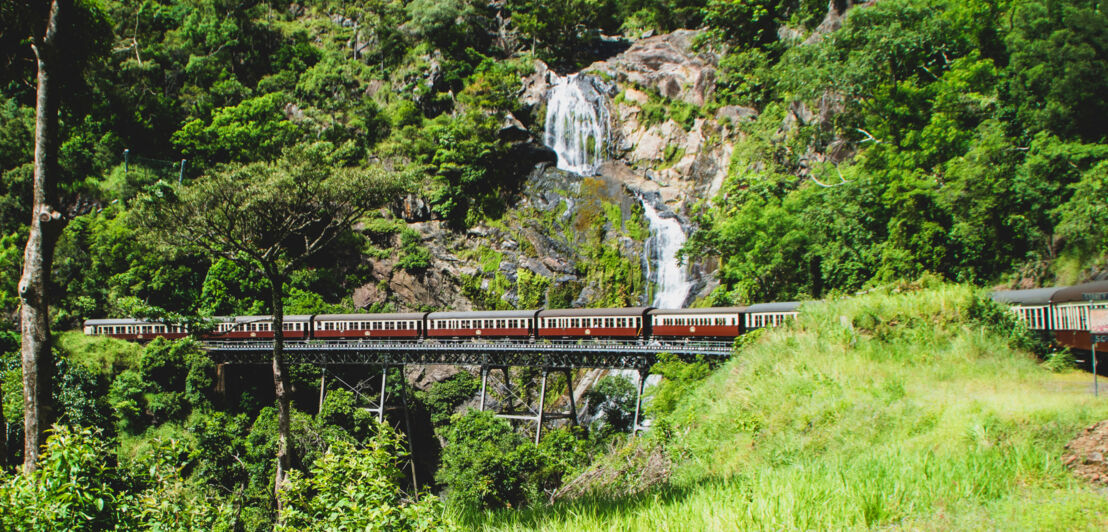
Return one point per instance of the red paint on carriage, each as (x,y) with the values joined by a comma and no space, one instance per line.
(355,334)
(697,331)
(588,332)
(507,332)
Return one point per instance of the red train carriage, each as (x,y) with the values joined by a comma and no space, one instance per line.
(593,323)
(398,325)
(132,329)
(700,323)
(296,326)
(486,324)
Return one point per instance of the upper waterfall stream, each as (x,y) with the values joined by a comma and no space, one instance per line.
(577,127)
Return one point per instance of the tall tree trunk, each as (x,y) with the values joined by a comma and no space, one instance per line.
(280,385)
(4,436)
(46,226)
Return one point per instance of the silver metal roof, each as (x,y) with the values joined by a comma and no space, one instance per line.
(258,319)
(482,314)
(120,321)
(388,316)
(593,312)
(705,310)
(1028,297)
(1097,289)
(784,306)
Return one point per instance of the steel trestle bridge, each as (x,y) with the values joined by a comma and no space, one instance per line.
(561,356)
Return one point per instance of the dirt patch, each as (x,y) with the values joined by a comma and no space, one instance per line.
(1086,453)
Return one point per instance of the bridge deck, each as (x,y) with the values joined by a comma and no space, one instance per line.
(603,354)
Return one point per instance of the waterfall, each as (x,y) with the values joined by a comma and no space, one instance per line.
(577,129)
(672,285)
(577,126)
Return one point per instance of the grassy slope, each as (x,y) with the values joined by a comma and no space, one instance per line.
(892,411)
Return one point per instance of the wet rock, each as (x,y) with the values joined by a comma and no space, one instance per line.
(512,130)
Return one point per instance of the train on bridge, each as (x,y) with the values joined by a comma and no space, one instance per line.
(644,323)
(1060,311)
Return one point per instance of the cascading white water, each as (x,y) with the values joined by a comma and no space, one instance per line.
(577,129)
(577,126)
(671,284)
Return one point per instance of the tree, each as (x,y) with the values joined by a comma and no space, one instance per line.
(269,218)
(63,36)
(46,226)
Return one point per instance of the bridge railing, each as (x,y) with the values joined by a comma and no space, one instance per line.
(708,347)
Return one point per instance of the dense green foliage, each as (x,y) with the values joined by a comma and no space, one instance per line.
(486,464)
(354,488)
(953,140)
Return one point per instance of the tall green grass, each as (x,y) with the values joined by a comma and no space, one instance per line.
(910,411)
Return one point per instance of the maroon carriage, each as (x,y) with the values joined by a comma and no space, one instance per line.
(389,326)
(133,329)
(296,327)
(593,323)
(486,324)
(700,323)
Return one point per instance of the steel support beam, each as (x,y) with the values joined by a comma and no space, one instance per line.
(571,355)
(381,405)
(572,401)
(643,373)
(542,405)
(484,383)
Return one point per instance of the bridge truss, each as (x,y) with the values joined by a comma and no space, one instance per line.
(561,356)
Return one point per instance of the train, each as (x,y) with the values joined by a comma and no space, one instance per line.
(1061,311)
(634,323)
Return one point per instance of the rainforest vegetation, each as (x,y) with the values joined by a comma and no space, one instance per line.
(951,141)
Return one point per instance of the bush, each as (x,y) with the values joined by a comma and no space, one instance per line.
(443,397)
(485,464)
(612,405)
(357,488)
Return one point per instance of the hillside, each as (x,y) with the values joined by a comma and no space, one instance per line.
(914,410)
(524,154)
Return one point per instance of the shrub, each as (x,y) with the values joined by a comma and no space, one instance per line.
(357,488)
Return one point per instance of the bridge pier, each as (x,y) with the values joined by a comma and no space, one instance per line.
(643,374)
(539,415)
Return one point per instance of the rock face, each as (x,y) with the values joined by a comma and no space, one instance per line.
(666,64)
(681,162)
